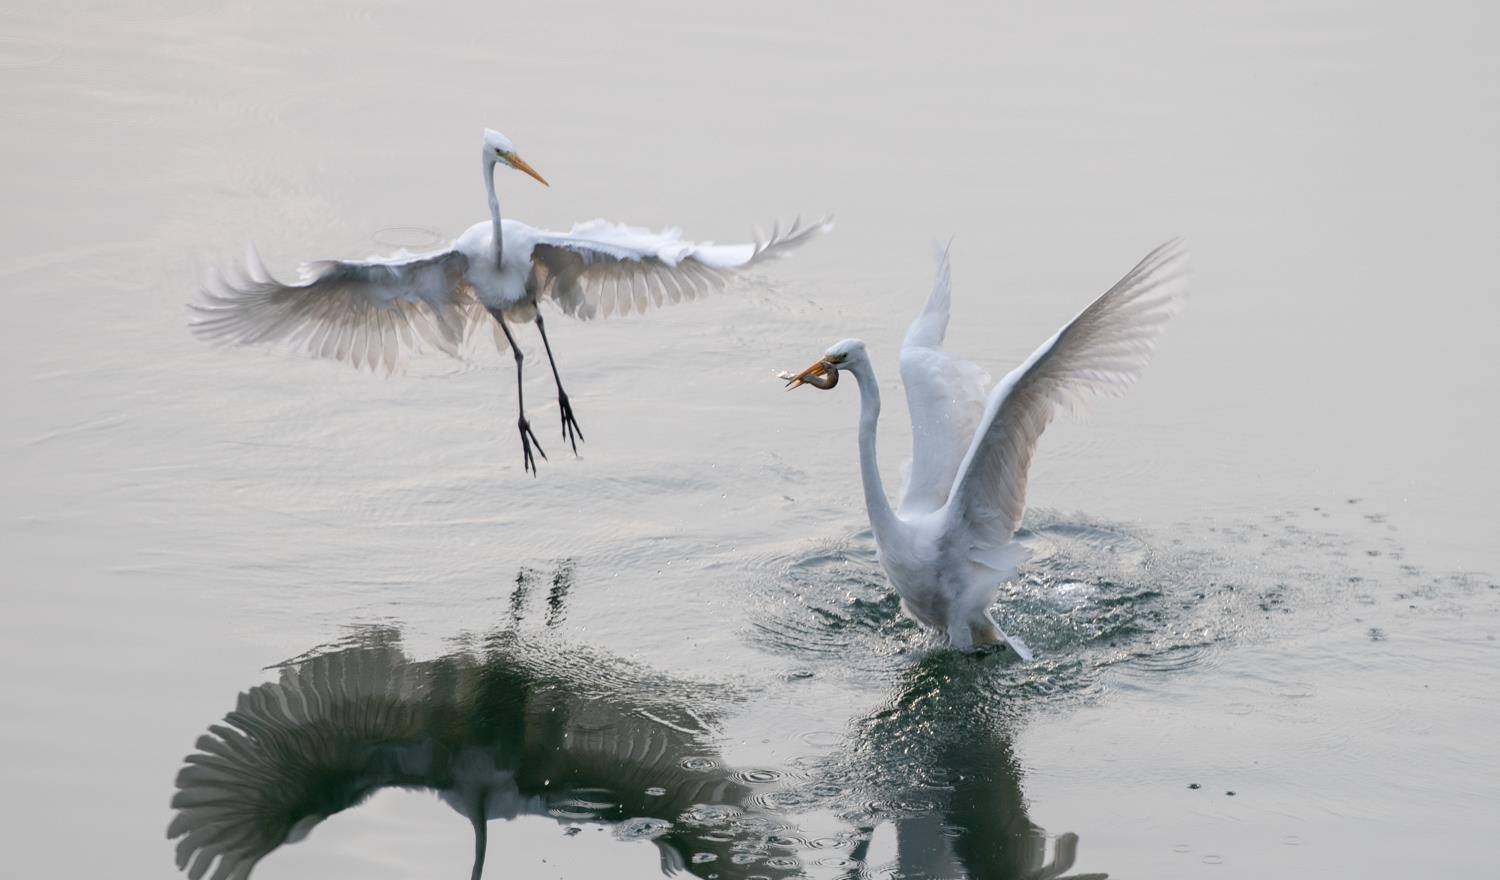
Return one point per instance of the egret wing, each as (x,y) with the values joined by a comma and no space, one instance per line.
(1101,351)
(371,313)
(945,396)
(599,269)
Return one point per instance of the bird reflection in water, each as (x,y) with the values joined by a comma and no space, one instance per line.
(523,725)
(937,770)
(518,727)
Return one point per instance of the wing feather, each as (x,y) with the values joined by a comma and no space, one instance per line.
(605,293)
(371,313)
(945,396)
(670,284)
(600,269)
(1101,351)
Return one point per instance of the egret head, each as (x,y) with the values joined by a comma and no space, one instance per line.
(824,373)
(498,148)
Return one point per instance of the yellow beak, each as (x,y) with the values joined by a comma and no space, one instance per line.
(810,376)
(520,164)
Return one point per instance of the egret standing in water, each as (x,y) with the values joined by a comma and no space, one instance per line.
(371,313)
(950,543)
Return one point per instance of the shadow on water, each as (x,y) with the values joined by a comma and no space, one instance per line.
(516,727)
(940,782)
(511,724)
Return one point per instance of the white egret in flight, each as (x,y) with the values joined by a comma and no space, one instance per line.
(372,313)
(949,545)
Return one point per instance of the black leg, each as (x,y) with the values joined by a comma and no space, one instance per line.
(570,430)
(481,835)
(527,438)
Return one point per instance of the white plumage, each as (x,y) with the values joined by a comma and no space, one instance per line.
(374,313)
(950,543)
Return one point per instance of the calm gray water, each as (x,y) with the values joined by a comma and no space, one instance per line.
(1270,570)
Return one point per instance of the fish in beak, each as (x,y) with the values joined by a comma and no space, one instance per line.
(822,374)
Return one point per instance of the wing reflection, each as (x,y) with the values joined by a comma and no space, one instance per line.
(947,787)
(518,727)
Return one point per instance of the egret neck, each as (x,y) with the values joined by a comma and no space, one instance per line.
(489,188)
(882,519)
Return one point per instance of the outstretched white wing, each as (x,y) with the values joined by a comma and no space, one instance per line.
(599,269)
(370,313)
(1102,351)
(945,395)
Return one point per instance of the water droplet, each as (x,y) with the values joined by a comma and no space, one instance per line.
(710,814)
(642,828)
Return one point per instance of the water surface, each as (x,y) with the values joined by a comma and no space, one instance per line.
(1269,570)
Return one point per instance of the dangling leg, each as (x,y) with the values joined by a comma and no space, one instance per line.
(481,836)
(527,438)
(569,424)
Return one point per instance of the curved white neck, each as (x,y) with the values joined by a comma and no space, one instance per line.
(882,519)
(489,188)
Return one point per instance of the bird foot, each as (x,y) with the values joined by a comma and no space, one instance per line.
(528,438)
(570,429)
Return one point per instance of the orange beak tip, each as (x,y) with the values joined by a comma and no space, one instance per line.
(525,167)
